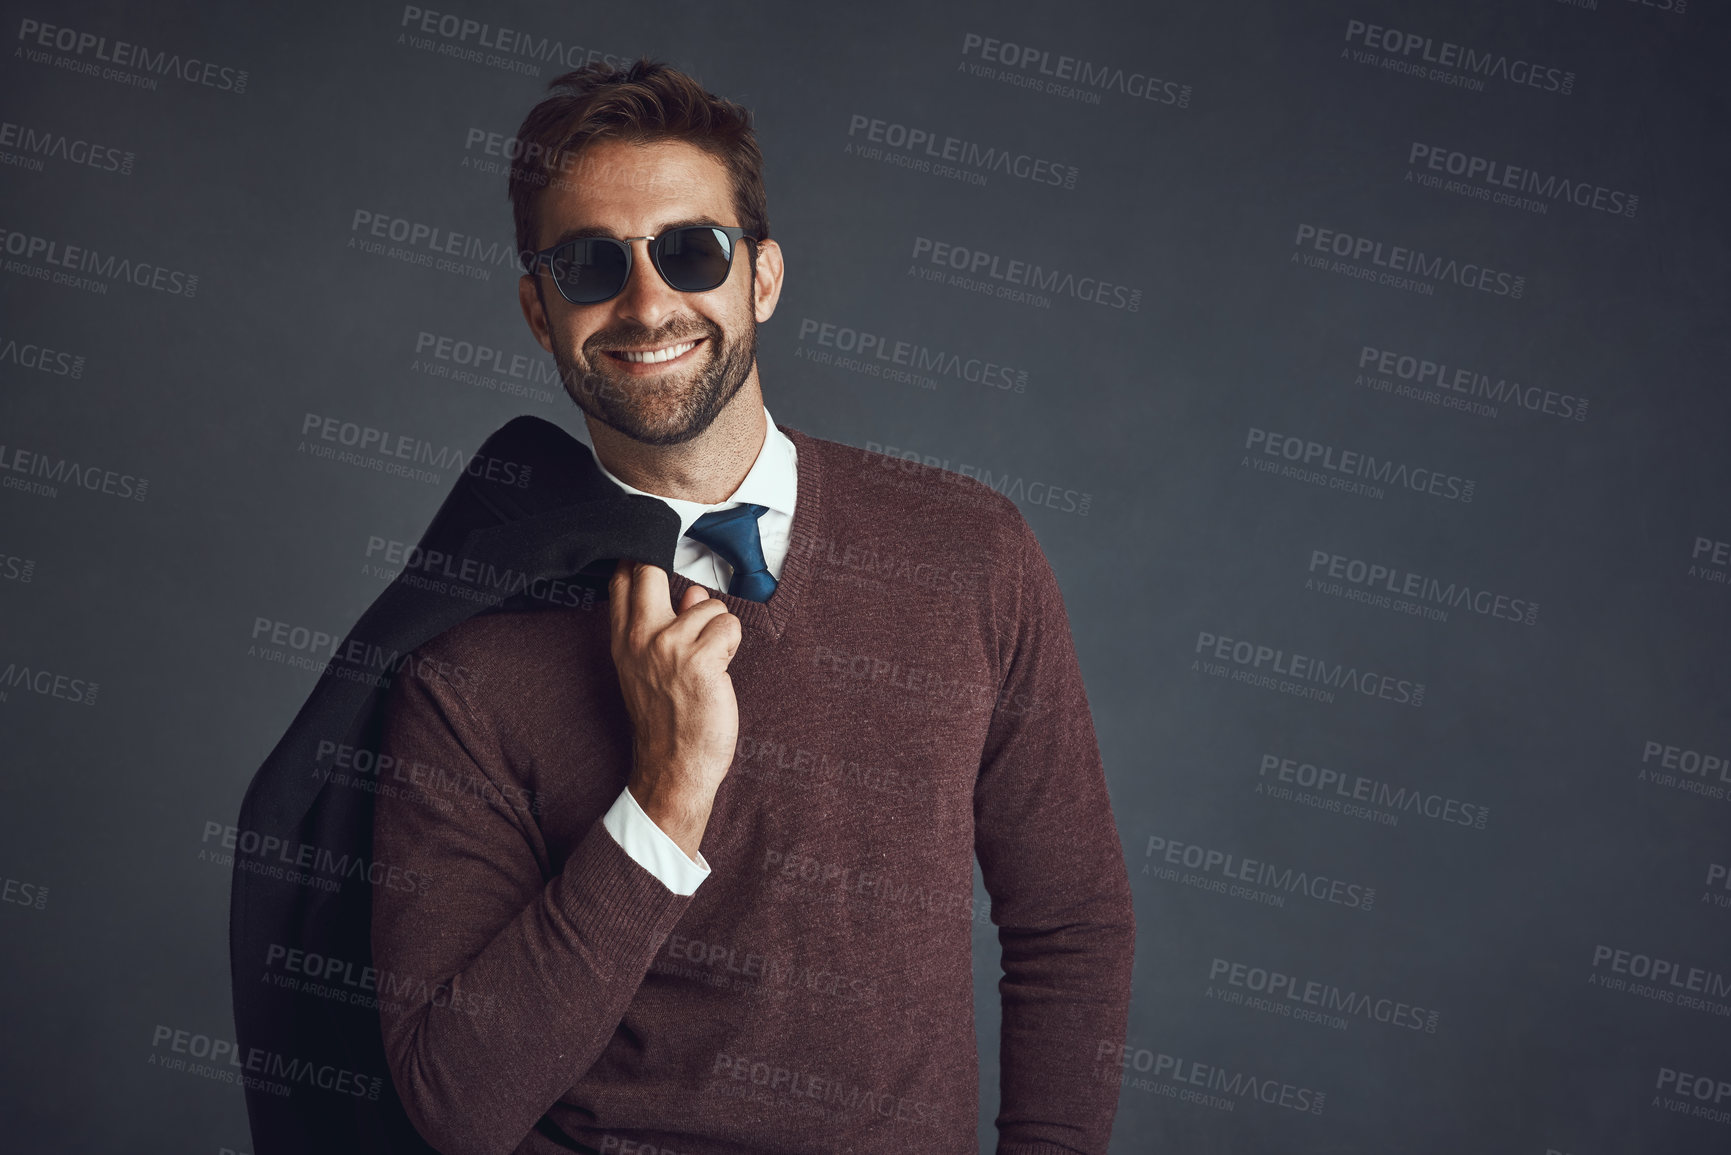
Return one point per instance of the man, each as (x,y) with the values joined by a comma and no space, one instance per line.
(717,899)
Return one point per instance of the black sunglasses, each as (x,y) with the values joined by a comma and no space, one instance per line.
(589,270)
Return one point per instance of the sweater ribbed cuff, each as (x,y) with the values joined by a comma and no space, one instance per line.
(612,904)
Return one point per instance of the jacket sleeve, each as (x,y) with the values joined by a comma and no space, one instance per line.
(498,986)
(1060,891)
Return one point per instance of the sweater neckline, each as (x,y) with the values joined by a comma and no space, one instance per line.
(771,617)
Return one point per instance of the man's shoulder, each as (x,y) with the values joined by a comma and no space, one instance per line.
(918,489)
(890,518)
(507,650)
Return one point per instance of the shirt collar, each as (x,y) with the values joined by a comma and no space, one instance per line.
(770,482)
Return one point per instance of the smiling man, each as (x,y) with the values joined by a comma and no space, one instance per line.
(718,897)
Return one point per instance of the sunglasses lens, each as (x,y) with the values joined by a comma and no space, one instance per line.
(589,270)
(696,258)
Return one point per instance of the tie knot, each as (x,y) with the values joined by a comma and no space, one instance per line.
(733,534)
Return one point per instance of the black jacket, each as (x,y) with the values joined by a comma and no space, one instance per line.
(512,546)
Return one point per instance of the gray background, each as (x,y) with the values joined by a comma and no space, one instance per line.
(113,925)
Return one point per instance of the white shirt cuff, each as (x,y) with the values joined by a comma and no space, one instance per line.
(650,846)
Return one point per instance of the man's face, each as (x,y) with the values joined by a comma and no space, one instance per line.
(632,190)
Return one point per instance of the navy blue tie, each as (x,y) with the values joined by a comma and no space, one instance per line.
(732,533)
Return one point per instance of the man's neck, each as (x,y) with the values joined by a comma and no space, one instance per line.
(706,469)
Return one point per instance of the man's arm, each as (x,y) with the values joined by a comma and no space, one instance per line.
(506,986)
(1054,867)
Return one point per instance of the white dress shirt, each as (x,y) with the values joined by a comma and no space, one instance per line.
(773,481)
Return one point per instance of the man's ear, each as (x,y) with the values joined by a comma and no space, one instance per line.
(766,280)
(534,307)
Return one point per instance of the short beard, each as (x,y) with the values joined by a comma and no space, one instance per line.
(610,400)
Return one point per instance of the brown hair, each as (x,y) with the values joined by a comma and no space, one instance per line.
(648,101)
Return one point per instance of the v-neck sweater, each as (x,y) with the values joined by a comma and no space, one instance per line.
(909,698)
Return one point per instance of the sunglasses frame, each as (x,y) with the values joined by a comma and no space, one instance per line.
(734,234)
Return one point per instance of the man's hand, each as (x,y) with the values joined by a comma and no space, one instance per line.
(673,674)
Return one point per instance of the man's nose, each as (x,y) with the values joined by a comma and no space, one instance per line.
(646,298)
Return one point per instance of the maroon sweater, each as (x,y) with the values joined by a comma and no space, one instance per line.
(908,698)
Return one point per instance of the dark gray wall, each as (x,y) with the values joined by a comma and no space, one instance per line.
(1545,963)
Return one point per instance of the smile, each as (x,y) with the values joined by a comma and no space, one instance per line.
(654,356)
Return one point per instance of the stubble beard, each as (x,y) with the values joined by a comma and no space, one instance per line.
(659,412)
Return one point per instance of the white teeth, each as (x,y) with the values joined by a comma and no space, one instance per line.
(651,358)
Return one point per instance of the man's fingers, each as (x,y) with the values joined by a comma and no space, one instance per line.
(650,603)
(721,631)
(618,597)
(632,599)
(684,629)
(639,603)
